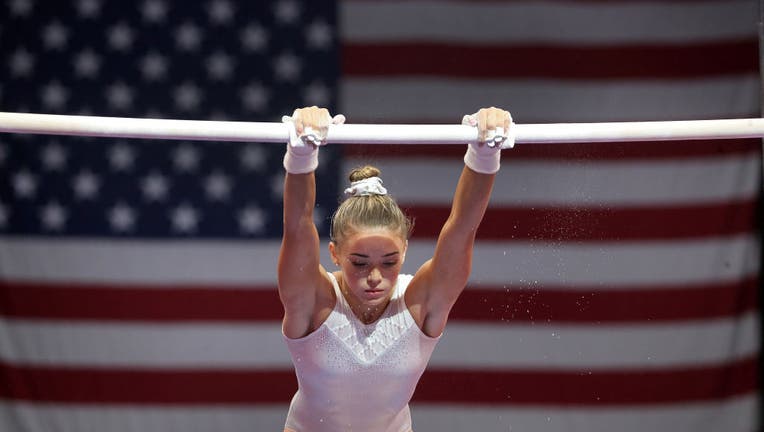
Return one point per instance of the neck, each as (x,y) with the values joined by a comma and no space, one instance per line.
(366,313)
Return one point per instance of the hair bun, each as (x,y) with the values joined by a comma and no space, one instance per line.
(364,172)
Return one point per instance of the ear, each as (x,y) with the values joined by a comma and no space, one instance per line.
(333,252)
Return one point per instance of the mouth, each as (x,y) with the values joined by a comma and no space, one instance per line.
(374,292)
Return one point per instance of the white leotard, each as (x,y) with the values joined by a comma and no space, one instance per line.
(358,377)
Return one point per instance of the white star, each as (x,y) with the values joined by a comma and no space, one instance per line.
(121,37)
(153,66)
(287,67)
(317,94)
(277,185)
(4,216)
(255,97)
(121,218)
(154,187)
(87,64)
(219,66)
(86,185)
(22,62)
(21,8)
(55,35)
(120,96)
(53,216)
(221,11)
(254,38)
(89,8)
(185,158)
(217,187)
(24,184)
(53,156)
(319,35)
(54,95)
(154,10)
(121,157)
(253,157)
(287,11)
(187,96)
(188,36)
(251,220)
(184,218)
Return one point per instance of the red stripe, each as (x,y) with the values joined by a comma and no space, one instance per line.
(665,61)
(511,387)
(598,224)
(645,150)
(527,303)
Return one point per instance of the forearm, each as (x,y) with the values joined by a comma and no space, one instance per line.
(299,201)
(470,202)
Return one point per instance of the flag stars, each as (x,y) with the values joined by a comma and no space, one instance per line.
(121,157)
(217,186)
(154,11)
(254,97)
(54,157)
(253,157)
(86,185)
(154,66)
(53,216)
(317,93)
(287,67)
(251,220)
(24,184)
(155,187)
(319,35)
(287,11)
(89,8)
(187,96)
(254,38)
(184,218)
(121,218)
(54,95)
(220,66)
(21,8)
(87,64)
(188,37)
(220,11)
(55,35)
(21,63)
(186,158)
(121,37)
(120,96)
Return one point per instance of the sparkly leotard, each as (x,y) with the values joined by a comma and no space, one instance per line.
(358,377)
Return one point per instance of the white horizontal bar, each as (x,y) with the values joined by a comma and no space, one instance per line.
(117,127)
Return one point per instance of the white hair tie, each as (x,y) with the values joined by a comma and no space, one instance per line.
(366,187)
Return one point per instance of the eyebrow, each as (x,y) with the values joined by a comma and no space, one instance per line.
(383,256)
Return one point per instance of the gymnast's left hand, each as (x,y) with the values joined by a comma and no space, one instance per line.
(311,125)
(494,129)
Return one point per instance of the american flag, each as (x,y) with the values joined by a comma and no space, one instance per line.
(614,286)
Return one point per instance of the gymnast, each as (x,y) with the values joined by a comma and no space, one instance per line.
(360,337)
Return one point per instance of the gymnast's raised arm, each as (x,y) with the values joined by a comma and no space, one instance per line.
(440,281)
(301,279)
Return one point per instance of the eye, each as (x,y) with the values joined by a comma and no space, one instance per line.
(390,263)
(358,263)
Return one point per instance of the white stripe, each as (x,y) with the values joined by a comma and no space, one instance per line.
(464,346)
(549,22)
(605,265)
(730,415)
(522,183)
(380,100)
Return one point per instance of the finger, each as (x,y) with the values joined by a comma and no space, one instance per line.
(507,120)
(481,117)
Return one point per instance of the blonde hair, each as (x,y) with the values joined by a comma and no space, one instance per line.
(372,211)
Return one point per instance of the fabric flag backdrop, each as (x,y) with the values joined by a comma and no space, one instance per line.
(614,285)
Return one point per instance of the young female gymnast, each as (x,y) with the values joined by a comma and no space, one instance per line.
(361,336)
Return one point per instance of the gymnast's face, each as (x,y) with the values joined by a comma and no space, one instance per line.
(370,260)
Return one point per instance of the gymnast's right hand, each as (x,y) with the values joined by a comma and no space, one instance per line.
(308,130)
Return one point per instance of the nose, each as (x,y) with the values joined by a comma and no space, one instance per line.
(374,278)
